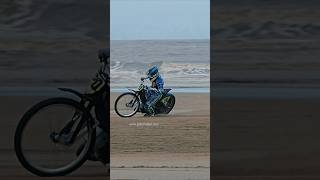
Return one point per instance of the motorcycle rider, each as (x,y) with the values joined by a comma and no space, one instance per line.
(102,136)
(154,92)
(100,151)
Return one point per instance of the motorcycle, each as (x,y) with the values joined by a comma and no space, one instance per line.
(57,135)
(129,103)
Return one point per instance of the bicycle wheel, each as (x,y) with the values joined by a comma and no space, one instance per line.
(127,104)
(42,138)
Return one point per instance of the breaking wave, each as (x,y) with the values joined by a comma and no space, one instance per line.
(175,74)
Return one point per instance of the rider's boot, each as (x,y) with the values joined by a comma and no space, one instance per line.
(107,166)
(91,155)
(101,146)
(101,149)
(99,152)
(150,111)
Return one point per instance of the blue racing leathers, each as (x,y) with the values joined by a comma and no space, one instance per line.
(154,94)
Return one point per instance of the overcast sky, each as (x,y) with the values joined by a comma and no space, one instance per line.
(160,19)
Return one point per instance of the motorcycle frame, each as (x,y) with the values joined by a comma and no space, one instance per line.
(97,100)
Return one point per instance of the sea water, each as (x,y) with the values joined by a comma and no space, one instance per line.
(182,63)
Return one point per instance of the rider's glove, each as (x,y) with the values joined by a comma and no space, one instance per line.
(97,84)
(153,89)
(143,78)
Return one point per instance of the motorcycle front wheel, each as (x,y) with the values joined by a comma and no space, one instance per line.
(127,104)
(41,144)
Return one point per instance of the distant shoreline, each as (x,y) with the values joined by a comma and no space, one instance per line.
(175,90)
(53,91)
(218,92)
(173,40)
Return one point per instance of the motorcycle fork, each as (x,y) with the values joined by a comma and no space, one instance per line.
(142,98)
(68,128)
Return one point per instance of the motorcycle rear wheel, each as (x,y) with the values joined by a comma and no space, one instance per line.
(170,102)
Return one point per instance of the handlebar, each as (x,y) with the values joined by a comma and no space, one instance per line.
(144,78)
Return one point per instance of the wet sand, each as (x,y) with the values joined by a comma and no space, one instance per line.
(266,137)
(178,143)
(173,146)
(11,110)
(266,76)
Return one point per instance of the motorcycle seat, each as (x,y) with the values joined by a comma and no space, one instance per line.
(165,91)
